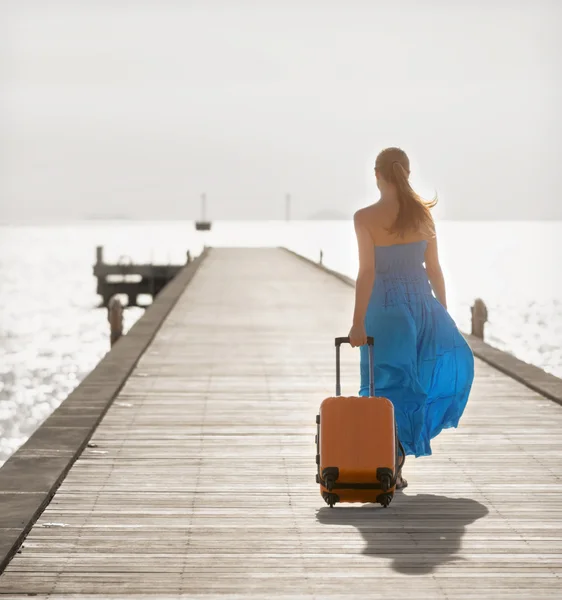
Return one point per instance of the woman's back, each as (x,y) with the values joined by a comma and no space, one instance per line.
(378,220)
(402,260)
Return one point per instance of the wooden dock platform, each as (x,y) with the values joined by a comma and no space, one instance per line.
(199,481)
(132,279)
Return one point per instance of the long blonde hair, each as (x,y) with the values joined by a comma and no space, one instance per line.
(414,214)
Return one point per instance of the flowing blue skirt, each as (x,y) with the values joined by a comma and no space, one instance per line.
(422,363)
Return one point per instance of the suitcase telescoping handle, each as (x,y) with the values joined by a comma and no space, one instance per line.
(370,344)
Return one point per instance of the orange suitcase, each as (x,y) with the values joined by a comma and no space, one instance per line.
(357,444)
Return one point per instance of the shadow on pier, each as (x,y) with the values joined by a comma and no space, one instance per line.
(419,533)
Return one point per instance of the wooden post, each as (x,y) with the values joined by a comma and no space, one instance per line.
(321,257)
(479,318)
(188,255)
(115,318)
(99,255)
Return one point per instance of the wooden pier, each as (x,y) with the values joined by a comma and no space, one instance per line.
(131,279)
(199,478)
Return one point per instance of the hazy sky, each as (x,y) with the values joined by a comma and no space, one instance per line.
(138,107)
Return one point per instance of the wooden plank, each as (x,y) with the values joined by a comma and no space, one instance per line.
(201,480)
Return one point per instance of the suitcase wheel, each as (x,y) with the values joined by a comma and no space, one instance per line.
(330,499)
(385,500)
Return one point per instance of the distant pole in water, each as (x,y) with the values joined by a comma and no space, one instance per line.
(203,224)
(288,207)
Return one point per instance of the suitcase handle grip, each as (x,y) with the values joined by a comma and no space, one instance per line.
(370,344)
(345,340)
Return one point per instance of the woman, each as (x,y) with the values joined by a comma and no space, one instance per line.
(422,362)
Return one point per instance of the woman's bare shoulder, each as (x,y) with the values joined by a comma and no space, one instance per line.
(365,215)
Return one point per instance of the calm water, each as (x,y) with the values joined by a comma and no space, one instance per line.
(52,333)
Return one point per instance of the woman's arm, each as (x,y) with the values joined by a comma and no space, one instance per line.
(434,271)
(365,280)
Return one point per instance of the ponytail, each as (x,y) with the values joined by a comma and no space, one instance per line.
(413,211)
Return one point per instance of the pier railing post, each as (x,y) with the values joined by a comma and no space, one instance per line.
(115,318)
(321,261)
(479,318)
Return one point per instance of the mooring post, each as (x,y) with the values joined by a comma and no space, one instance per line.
(479,318)
(99,255)
(115,318)
(188,254)
(321,257)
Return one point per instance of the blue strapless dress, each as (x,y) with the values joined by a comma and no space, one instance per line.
(423,364)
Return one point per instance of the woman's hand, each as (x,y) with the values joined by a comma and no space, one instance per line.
(357,335)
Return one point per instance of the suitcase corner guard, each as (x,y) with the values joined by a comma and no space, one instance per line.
(330,476)
(386,478)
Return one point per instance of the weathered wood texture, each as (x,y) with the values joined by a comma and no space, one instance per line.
(201,484)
